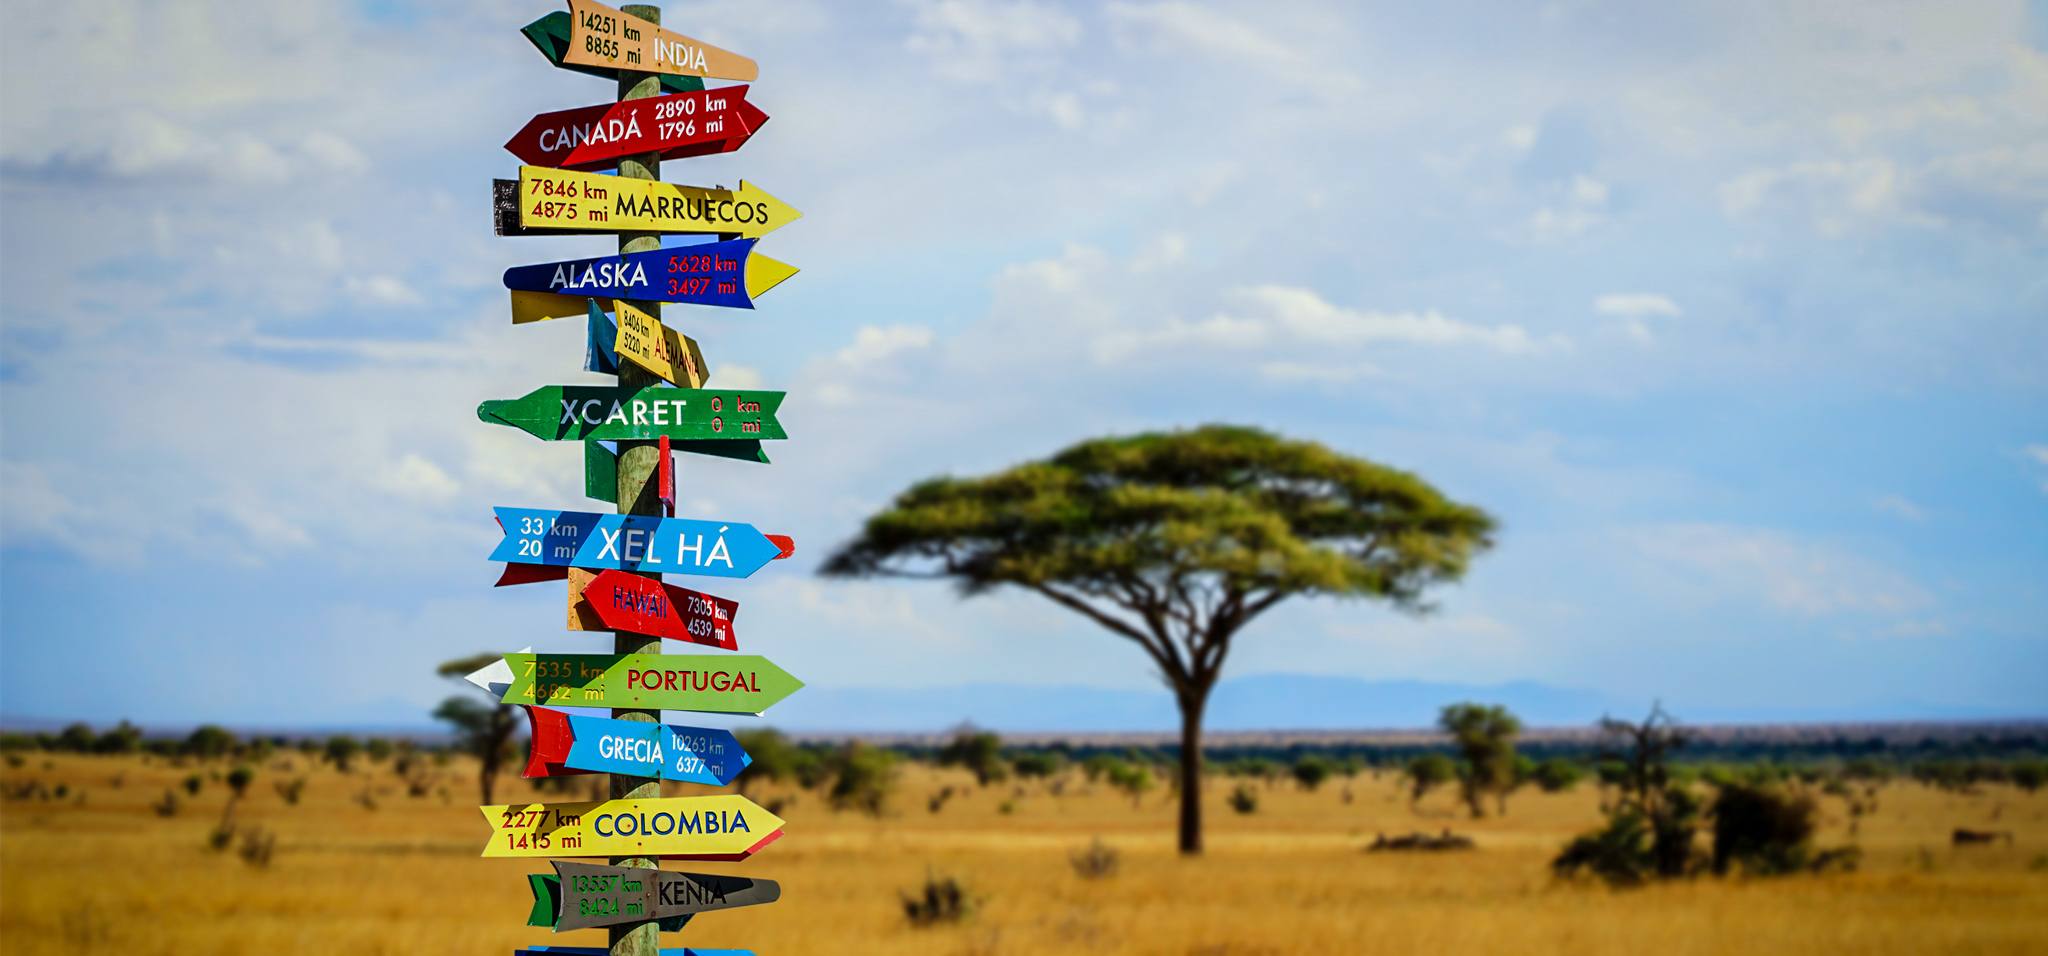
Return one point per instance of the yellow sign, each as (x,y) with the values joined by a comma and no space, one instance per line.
(658,348)
(720,827)
(602,36)
(567,199)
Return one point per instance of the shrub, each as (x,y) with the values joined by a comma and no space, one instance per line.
(341,750)
(981,752)
(2028,775)
(943,901)
(290,791)
(1426,773)
(1098,861)
(1763,830)
(239,780)
(1132,778)
(1244,799)
(209,741)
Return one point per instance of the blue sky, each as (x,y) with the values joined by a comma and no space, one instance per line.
(1736,316)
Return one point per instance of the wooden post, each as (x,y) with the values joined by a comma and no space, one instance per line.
(637,463)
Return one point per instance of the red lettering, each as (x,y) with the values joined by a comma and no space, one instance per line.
(668,680)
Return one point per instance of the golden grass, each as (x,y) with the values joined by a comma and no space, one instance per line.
(109,875)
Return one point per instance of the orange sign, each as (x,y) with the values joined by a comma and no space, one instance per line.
(602,36)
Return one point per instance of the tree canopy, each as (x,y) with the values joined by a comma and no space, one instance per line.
(1176,540)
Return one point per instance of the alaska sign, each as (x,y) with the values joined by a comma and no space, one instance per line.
(562,200)
(678,125)
(604,37)
(565,744)
(712,684)
(611,413)
(587,895)
(722,827)
(729,274)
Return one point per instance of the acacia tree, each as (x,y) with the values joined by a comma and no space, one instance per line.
(1485,736)
(1176,541)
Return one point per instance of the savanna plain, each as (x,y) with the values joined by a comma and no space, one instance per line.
(91,863)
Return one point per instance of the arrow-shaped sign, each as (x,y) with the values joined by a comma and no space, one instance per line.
(550,35)
(561,200)
(585,895)
(565,744)
(729,274)
(722,827)
(587,539)
(611,413)
(679,125)
(713,684)
(602,36)
(629,602)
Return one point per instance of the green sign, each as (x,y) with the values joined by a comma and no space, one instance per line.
(710,683)
(609,413)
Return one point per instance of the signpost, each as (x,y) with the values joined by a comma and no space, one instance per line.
(585,895)
(557,201)
(602,36)
(712,684)
(565,744)
(721,827)
(678,125)
(644,543)
(663,111)
(729,274)
(604,413)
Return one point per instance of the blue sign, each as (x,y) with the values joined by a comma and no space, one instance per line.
(640,749)
(711,273)
(601,343)
(586,539)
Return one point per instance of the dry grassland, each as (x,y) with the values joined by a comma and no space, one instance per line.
(103,873)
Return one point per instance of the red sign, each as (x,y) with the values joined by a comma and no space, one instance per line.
(628,602)
(681,124)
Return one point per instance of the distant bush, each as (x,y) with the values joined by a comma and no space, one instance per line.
(2028,775)
(1310,772)
(1426,773)
(980,751)
(1132,778)
(1244,799)
(1041,764)
(1555,775)
(1765,831)
(862,778)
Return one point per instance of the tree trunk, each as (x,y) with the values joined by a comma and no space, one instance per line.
(1192,701)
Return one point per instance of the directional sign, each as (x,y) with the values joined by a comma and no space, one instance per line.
(628,602)
(586,895)
(644,341)
(565,744)
(611,413)
(586,539)
(556,200)
(602,36)
(739,684)
(679,125)
(550,35)
(729,274)
(722,827)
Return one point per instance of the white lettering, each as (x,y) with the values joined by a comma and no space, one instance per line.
(611,544)
(568,412)
(633,125)
(559,279)
(696,549)
(639,412)
(586,411)
(618,413)
(633,541)
(661,413)
(718,551)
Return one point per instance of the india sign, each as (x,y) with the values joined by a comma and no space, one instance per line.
(565,744)
(723,827)
(611,413)
(602,36)
(556,200)
(646,543)
(713,684)
(682,124)
(586,895)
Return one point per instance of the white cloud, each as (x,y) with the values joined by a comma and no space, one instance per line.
(1724,562)
(873,344)
(1264,316)
(984,41)
(1635,305)
(1900,506)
